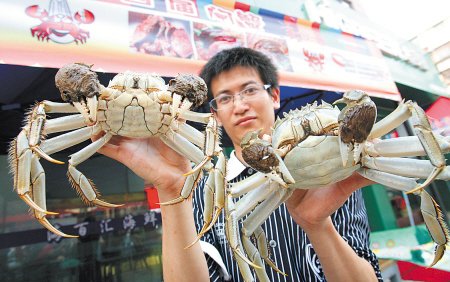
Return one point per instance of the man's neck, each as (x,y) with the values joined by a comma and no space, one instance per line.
(238,153)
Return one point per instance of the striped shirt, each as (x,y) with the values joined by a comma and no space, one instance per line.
(289,246)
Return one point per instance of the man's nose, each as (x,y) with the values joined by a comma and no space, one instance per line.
(238,97)
(239,103)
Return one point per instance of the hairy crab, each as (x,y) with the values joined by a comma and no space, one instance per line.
(135,105)
(318,145)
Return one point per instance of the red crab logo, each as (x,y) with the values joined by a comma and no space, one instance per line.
(315,59)
(58,24)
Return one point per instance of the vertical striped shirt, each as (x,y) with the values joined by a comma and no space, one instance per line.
(289,246)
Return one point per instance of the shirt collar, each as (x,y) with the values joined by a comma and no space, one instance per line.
(234,167)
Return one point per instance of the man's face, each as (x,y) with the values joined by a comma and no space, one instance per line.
(244,116)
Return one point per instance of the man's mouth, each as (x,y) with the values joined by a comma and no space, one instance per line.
(244,120)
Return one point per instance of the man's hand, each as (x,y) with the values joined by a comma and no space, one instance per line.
(152,160)
(311,208)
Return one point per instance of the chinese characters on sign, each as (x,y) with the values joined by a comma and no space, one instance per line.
(150,219)
(182,7)
(236,17)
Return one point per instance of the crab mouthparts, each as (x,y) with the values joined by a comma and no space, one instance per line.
(88,109)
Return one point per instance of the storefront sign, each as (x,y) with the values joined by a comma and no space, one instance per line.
(150,220)
(325,13)
(176,36)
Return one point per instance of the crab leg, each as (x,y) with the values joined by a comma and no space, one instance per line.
(55,107)
(188,186)
(21,157)
(183,147)
(38,191)
(431,212)
(263,210)
(395,147)
(254,221)
(35,129)
(208,212)
(214,196)
(64,123)
(261,251)
(191,134)
(437,227)
(250,200)
(29,181)
(181,144)
(258,179)
(404,167)
(261,241)
(196,117)
(69,139)
(422,128)
(82,185)
(211,143)
(390,180)
(219,191)
(232,235)
(248,184)
(255,257)
(37,119)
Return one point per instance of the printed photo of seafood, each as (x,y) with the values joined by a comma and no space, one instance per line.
(275,48)
(210,39)
(162,36)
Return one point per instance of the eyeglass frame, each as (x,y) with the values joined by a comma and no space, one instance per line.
(265,87)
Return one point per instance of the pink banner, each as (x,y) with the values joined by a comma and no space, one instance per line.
(174,36)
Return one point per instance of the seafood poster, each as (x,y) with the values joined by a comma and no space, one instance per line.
(178,36)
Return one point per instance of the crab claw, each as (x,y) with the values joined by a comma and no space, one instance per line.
(283,177)
(36,12)
(250,137)
(84,16)
(355,123)
(198,166)
(104,204)
(79,86)
(353,97)
(260,155)
(27,199)
(88,109)
(191,87)
(53,229)
(436,171)
(339,101)
(41,153)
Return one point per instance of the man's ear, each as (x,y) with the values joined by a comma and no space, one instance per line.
(276,97)
(216,116)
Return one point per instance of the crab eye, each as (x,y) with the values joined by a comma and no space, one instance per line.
(65,96)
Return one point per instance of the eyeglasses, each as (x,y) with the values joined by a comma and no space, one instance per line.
(226,101)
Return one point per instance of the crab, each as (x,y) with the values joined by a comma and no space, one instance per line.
(58,24)
(318,145)
(135,105)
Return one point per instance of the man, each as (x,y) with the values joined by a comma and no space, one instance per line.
(312,238)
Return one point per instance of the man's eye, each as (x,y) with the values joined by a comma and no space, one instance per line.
(223,99)
(250,91)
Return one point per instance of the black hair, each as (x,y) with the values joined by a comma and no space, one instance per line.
(239,56)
